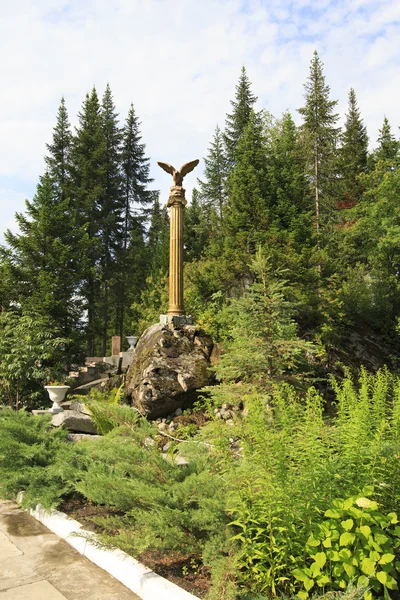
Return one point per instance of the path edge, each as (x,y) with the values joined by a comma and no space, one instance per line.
(131,573)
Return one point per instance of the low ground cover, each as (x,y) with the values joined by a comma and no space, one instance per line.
(281,501)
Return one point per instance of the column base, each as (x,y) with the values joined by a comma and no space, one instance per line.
(176,320)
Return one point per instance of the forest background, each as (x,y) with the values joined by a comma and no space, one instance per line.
(322,212)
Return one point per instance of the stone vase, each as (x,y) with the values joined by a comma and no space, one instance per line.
(57,394)
(132,341)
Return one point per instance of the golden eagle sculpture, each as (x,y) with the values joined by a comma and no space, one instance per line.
(183,171)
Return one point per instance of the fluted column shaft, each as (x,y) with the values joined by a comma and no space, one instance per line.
(176,202)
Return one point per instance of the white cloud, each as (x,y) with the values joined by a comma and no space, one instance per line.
(178,61)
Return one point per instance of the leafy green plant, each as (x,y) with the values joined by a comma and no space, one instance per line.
(356,541)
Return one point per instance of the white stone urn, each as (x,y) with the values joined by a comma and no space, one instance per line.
(132,341)
(57,394)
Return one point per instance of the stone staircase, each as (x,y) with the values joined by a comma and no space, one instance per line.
(87,374)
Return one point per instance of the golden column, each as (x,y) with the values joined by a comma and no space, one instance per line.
(176,202)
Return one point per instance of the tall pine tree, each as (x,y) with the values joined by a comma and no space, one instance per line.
(237,120)
(89,182)
(135,167)
(319,138)
(247,214)
(353,153)
(110,210)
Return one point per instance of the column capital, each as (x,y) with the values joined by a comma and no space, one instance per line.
(176,196)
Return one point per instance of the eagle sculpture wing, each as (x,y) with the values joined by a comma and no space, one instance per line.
(169,168)
(187,167)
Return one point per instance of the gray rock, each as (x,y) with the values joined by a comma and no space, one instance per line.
(79,407)
(168,368)
(74,421)
(77,437)
(162,426)
(166,447)
(178,412)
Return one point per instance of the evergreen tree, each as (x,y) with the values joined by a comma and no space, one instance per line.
(247,213)
(110,209)
(353,153)
(388,147)
(213,189)
(237,121)
(285,166)
(89,179)
(319,137)
(136,199)
(158,239)
(59,159)
(196,228)
(41,261)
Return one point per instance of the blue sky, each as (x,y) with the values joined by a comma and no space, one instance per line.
(178,61)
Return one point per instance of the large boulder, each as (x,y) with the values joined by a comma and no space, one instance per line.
(169,366)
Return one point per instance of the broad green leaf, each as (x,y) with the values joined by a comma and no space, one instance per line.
(323,580)
(312,541)
(345,554)
(350,570)
(391,583)
(368,595)
(368,566)
(374,555)
(333,555)
(302,595)
(308,584)
(342,583)
(365,530)
(393,518)
(362,580)
(346,539)
(386,559)
(300,574)
(348,524)
(327,543)
(320,559)
(332,513)
(382,577)
(315,570)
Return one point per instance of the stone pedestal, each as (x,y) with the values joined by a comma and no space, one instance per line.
(176,202)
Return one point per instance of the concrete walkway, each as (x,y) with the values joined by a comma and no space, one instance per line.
(36,565)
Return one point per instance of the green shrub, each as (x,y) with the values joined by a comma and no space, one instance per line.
(28,448)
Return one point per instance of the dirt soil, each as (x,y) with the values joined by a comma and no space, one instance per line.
(184,570)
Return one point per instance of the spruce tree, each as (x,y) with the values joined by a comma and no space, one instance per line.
(196,228)
(247,207)
(237,121)
(353,153)
(41,261)
(158,239)
(319,138)
(58,160)
(388,147)
(135,168)
(110,210)
(89,181)
(285,167)
(213,188)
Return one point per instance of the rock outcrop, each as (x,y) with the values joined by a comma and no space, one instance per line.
(169,366)
(74,421)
